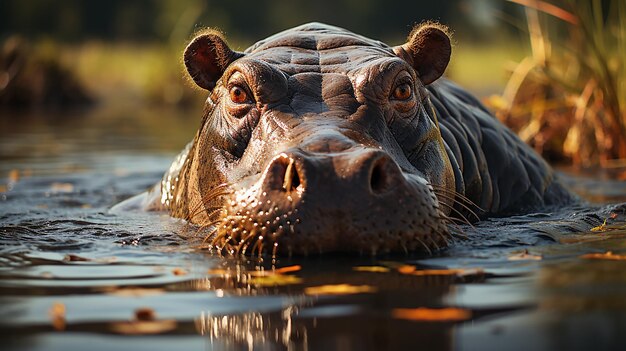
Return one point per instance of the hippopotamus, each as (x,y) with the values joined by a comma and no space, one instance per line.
(319,140)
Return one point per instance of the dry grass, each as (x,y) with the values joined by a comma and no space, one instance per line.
(568,100)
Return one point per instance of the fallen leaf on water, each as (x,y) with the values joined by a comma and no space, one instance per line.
(600,228)
(275,279)
(443,272)
(179,271)
(14,175)
(282,270)
(339,289)
(62,187)
(145,314)
(374,269)
(57,316)
(604,256)
(75,258)
(524,256)
(287,269)
(143,327)
(3,188)
(406,269)
(424,314)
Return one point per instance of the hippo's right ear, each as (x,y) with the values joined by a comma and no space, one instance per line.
(207,57)
(428,50)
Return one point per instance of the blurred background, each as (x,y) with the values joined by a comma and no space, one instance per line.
(549,69)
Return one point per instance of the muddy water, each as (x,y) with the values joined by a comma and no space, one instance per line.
(74,276)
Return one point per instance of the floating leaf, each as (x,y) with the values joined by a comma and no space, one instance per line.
(14,175)
(441,272)
(524,256)
(57,316)
(62,187)
(600,228)
(373,269)
(179,271)
(406,269)
(604,256)
(339,289)
(145,314)
(275,279)
(287,269)
(143,327)
(424,314)
(75,258)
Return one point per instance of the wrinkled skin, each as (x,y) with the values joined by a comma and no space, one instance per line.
(319,140)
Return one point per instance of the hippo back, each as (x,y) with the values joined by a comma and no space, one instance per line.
(493,167)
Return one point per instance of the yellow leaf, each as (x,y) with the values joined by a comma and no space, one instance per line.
(600,228)
(275,279)
(432,314)
(57,316)
(374,269)
(287,269)
(443,272)
(604,256)
(339,289)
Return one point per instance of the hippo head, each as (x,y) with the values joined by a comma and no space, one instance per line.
(318,140)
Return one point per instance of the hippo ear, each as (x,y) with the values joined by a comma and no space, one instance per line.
(207,57)
(428,50)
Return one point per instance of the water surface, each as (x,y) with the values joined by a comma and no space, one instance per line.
(74,276)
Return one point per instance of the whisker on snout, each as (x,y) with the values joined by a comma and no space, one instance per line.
(457,199)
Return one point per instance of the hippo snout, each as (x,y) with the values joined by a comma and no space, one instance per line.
(359,174)
(358,200)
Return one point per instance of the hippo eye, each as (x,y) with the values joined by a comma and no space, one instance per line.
(402,92)
(238,95)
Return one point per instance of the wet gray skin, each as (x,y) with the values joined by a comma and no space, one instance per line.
(319,140)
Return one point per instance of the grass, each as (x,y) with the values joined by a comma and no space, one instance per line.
(568,99)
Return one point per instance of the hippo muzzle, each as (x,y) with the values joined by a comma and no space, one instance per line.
(318,198)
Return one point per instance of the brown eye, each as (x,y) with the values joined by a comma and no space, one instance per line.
(238,95)
(402,92)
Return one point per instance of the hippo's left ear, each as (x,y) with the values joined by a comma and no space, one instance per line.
(428,50)
(207,57)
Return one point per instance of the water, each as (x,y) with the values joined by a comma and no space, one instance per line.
(74,276)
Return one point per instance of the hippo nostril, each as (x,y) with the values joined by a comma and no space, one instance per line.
(378,177)
(292,180)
